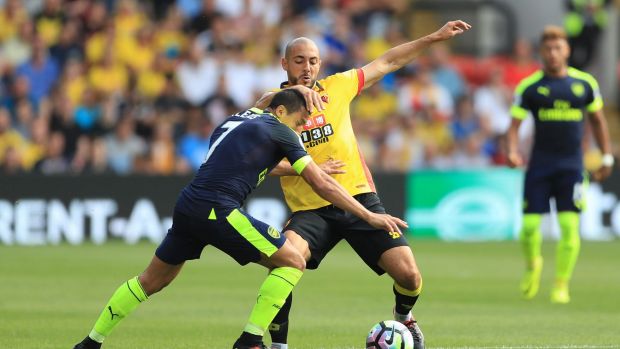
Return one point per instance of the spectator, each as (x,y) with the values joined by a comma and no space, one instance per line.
(203,21)
(95,19)
(12,163)
(68,46)
(444,73)
(139,54)
(124,147)
(34,150)
(520,65)
(240,78)
(220,105)
(54,161)
(194,146)
(492,101)
(41,71)
(81,160)
(20,91)
(49,22)
(129,18)
(9,138)
(24,115)
(62,120)
(471,155)
(110,77)
(88,113)
(17,49)
(198,75)
(170,40)
(421,92)
(162,151)
(466,122)
(12,17)
(402,150)
(98,157)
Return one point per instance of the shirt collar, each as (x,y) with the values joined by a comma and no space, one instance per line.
(316,86)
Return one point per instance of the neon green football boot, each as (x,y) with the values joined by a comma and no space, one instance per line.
(531,280)
(559,293)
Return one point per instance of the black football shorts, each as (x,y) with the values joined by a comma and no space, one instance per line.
(324,227)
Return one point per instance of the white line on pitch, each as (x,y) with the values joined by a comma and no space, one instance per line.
(538,347)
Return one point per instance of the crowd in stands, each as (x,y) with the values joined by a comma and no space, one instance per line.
(128,86)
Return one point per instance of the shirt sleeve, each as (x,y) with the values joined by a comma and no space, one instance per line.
(520,105)
(292,147)
(595,100)
(350,83)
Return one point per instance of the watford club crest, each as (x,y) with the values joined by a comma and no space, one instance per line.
(325,98)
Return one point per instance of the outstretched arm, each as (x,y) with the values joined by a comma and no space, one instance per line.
(399,56)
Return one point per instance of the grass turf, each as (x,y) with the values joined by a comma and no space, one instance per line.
(50,297)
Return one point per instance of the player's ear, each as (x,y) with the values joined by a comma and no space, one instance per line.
(281,111)
(284,63)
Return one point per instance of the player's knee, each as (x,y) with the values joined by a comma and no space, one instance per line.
(410,279)
(299,243)
(531,224)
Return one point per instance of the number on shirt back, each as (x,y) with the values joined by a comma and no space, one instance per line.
(228,126)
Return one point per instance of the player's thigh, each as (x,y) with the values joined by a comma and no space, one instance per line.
(537,191)
(569,190)
(369,242)
(400,264)
(245,238)
(286,256)
(183,242)
(315,230)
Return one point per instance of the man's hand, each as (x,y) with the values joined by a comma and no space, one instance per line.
(602,173)
(450,30)
(313,99)
(333,166)
(515,159)
(386,222)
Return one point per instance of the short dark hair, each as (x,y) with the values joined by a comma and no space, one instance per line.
(291,99)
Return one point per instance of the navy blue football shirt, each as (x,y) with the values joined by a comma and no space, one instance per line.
(557,105)
(244,149)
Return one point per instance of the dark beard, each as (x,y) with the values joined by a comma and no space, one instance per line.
(295,81)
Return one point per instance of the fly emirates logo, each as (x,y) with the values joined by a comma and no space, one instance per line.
(316,131)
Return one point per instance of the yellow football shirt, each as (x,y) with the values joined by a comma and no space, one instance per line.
(329,134)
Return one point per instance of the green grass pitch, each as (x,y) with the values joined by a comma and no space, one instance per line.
(50,297)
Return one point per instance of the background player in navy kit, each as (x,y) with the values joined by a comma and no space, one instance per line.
(557,97)
(208,212)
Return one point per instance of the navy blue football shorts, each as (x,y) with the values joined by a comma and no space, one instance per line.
(566,186)
(232,231)
(324,227)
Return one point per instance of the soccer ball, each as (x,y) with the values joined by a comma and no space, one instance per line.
(389,334)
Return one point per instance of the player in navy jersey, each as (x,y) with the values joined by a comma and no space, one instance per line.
(558,97)
(244,149)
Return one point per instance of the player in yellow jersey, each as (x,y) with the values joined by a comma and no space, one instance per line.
(316,226)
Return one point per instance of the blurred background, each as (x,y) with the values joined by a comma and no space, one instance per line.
(106,106)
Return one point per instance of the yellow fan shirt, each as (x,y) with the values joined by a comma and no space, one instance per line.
(329,134)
